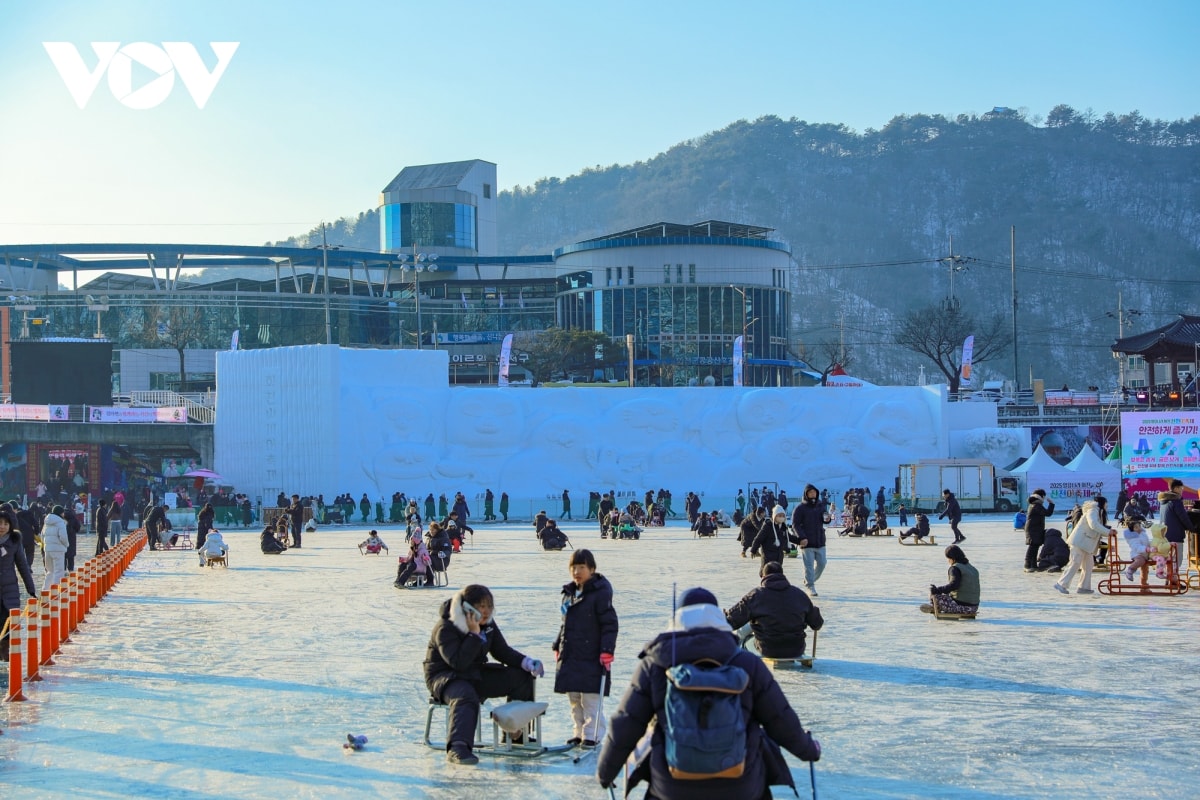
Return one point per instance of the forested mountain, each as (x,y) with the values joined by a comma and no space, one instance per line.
(1100,205)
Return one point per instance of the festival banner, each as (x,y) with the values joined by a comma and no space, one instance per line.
(964,378)
(22,412)
(505,355)
(737,361)
(1159,444)
(172,414)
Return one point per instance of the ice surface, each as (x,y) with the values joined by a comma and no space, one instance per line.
(321,419)
(243,683)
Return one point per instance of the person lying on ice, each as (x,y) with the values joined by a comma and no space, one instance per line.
(457,670)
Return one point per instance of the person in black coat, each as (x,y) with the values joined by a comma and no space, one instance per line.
(295,512)
(29,523)
(749,527)
(808,523)
(552,537)
(268,543)
(920,530)
(101,520)
(777,613)
(1054,554)
(457,670)
(584,647)
(437,540)
(607,504)
(204,523)
(773,537)
(1035,527)
(699,632)
(953,514)
(73,527)
(155,523)
(14,569)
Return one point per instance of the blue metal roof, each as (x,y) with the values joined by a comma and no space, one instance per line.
(91,256)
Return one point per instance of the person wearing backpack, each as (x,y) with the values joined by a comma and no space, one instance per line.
(692,671)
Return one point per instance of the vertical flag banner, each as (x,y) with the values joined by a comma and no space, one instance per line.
(505,355)
(737,361)
(502,298)
(463,295)
(968,350)
(233,342)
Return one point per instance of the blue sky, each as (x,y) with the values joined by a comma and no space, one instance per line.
(323,103)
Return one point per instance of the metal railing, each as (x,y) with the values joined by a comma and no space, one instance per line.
(197,412)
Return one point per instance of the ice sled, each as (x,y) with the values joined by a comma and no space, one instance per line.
(1115,583)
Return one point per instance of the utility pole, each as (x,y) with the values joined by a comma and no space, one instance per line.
(1012,258)
(956,264)
(1122,317)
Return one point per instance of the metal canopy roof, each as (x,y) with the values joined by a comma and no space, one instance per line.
(1173,342)
(129,256)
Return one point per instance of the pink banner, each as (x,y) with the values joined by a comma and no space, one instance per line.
(166,414)
(24,412)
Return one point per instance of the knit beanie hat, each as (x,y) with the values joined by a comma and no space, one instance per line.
(697,596)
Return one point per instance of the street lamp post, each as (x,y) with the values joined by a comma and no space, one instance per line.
(418,266)
(98,306)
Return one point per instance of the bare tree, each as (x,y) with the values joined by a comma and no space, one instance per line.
(938,331)
(177,327)
(825,356)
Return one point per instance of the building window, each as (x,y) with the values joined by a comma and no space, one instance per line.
(608,276)
(679,273)
(691,273)
(666,273)
(487,191)
(619,270)
(631,274)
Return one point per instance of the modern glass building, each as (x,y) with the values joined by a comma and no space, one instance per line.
(685,293)
(441,208)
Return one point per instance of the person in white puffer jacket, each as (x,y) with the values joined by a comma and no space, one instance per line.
(1084,540)
(54,547)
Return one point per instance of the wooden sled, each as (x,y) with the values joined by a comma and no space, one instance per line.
(212,561)
(930,539)
(1115,583)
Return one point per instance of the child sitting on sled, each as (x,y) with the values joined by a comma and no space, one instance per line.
(373,543)
(214,546)
(1138,542)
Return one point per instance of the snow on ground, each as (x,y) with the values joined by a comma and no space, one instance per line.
(242,683)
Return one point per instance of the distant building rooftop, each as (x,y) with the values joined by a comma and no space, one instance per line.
(710,227)
(433,176)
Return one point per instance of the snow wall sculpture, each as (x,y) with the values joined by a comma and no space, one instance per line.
(321,419)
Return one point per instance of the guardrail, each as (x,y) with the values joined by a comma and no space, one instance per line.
(197,412)
(36,632)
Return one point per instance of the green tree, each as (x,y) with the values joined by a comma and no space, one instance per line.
(938,331)
(557,352)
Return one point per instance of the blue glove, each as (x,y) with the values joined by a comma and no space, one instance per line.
(533,667)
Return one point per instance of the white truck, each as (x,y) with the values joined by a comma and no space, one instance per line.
(973,482)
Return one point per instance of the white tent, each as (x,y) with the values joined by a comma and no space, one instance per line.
(1094,476)
(1040,471)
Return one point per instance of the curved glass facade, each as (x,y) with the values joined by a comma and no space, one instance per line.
(684,334)
(428,225)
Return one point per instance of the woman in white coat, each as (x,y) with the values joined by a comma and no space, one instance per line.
(1084,541)
(54,546)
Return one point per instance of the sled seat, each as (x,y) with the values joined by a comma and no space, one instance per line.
(214,560)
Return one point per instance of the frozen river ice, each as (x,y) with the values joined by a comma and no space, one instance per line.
(242,683)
